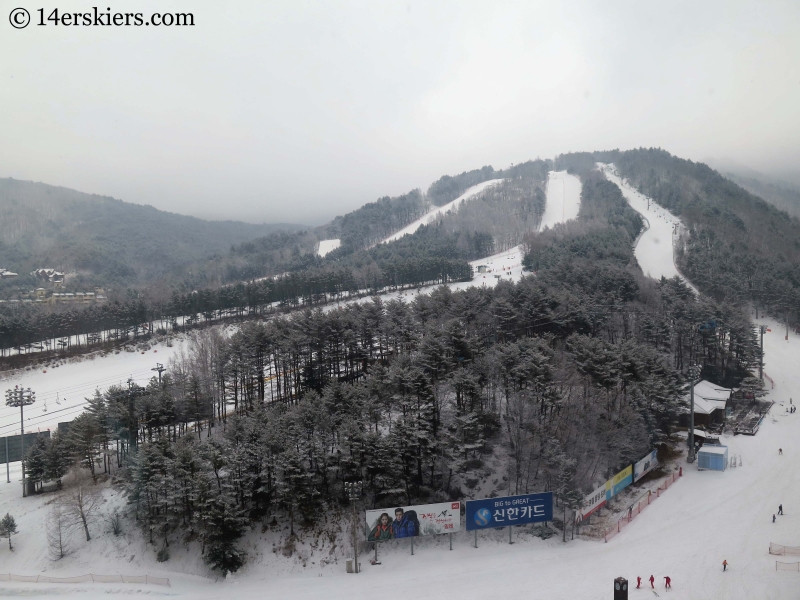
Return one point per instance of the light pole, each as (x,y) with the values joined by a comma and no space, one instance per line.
(694,372)
(353,489)
(22,398)
(762,330)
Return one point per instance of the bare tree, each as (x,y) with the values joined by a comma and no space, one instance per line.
(58,531)
(81,504)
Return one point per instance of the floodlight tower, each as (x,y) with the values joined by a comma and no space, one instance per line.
(353,489)
(22,398)
(694,373)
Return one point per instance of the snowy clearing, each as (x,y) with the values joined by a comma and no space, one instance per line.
(63,388)
(563,199)
(655,249)
(703,518)
(326,246)
(441,210)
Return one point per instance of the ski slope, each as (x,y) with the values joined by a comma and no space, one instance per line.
(563,199)
(655,249)
(326,246)
(702,519)
(63,389)
(439,211)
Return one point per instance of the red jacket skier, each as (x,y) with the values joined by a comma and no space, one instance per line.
(638,582)
(668,582)
(652,582)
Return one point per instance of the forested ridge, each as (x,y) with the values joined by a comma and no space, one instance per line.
(561,379)
(739,249)
(435,254)
(104,241)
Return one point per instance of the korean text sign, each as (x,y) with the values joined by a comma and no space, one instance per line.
(509,510)
(384,524)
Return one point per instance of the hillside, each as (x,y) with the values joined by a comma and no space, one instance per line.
(104,240)
(782,195)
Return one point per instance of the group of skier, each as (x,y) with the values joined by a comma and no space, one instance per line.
(667,582)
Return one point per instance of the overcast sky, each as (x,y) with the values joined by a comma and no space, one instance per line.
(298,111)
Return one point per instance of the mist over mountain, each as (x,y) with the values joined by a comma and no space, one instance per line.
(100,240)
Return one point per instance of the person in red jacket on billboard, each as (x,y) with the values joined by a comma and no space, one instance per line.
(652,582)
(668,583)
(638,582)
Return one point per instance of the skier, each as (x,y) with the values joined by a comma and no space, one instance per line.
(638,582)
(724,565)
(652,582)
(773,517)
(780,509)
(780,451)
(668,583)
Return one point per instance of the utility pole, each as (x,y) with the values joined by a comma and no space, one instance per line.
(694,371)
(160,368)
(353,489)
(762,330)
(22,398)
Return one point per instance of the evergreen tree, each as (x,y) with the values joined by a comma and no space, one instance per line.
(8,527)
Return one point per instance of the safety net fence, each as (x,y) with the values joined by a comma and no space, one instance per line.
(784,550)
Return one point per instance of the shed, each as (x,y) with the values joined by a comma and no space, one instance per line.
(714,458)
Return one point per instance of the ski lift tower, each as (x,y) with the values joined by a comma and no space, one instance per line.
(22,398)
(694,373)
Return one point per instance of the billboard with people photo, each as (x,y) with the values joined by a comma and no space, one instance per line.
(385,524)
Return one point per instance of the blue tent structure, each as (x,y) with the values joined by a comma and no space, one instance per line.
(713,458)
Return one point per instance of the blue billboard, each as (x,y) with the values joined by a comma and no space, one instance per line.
(509,510)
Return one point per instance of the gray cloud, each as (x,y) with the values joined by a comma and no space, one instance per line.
(298,111)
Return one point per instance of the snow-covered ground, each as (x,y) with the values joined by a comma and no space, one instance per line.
(326,246)
(563,199)
(702,519)
(63,389)
(439,211)
(655,248)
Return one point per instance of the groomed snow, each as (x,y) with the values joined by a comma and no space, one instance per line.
(326,246)
(441,210)
(655,250)
(563,199)
(64,388)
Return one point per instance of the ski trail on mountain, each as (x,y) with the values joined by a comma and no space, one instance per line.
(655,248)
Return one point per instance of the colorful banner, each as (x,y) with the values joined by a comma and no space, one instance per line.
(593,502)
(619,482)
(385,524)
(509,510)
(644,466)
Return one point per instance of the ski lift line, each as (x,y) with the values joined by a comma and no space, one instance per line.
(76,389)
(138,372)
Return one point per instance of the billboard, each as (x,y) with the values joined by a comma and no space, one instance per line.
(619,482)
(644,466)
(15,448)
(594,501)
(385,524)
(509,510)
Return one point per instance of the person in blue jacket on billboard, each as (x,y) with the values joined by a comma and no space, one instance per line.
(404,525)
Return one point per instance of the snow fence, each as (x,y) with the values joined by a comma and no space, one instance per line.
(784,550)
(90,578)
(633,511)
(781,566)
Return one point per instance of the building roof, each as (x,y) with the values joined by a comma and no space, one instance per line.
(706,407)
(713,450)
(709,391)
